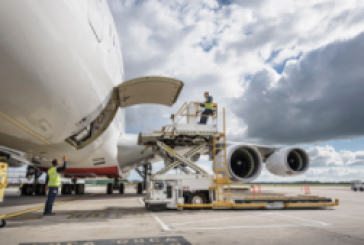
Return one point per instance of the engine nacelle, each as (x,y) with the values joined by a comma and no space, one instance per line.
(288,162)
(244,163)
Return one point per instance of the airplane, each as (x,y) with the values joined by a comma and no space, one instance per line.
(63,93)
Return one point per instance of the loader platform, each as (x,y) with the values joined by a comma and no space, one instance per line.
(201,189)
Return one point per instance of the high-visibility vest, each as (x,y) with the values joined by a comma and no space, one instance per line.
(54,178)
(209,105)
(20,185)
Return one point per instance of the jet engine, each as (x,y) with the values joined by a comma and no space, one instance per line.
(244,163)
(288,162)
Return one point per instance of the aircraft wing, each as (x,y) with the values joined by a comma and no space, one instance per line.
(13,157)
(264,150)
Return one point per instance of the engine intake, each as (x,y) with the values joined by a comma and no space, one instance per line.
(288,162)
(243,162)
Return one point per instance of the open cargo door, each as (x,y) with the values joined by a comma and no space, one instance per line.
(154,90)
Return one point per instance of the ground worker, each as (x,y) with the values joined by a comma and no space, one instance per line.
(209,108)
(20,186)
(53,181)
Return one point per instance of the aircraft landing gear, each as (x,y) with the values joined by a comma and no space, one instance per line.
(36,187)
(67,189)
(2,223)
(79,189)
(116,186)
(140,188)
(144,173)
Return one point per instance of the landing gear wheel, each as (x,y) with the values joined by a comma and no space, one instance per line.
(140,188)
(121,188)
(66,189)
(109,188)
(23,190)
(28,189)
(196,198)
(80,189)
(2,223)
(40,189)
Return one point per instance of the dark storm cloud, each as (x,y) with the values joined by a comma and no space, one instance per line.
(319,98)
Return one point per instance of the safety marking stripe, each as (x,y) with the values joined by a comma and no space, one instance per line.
(106,215)
(38,208)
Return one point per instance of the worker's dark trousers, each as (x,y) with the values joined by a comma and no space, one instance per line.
(52,193)
(203,120)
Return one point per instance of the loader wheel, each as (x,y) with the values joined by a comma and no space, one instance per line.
(196,198)
(110,189)
(140,188)
(361,189)
(355,189)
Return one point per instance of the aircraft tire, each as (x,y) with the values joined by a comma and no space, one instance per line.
(121,188)
(109,189)
(140,188)
(66,189)
(40,189)
(2,223)
(23,190)
(28,189)
(80,189)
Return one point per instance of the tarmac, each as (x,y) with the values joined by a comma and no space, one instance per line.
(98,218)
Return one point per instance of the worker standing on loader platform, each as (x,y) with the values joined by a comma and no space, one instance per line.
(209,108)
(53,181)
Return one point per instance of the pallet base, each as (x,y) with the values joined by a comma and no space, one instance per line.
(265,204)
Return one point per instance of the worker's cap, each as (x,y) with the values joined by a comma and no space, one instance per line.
(206,92)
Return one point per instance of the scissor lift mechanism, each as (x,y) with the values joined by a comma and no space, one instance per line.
(206,138)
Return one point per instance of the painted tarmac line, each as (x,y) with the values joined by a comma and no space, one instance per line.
(167,228)
(38,208)
(164,226)
(141,202)
(240,227)
(309,220)
(209,220)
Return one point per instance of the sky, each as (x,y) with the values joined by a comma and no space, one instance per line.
(287,72)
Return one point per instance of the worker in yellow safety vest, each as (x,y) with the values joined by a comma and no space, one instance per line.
(53,182)
(209,108)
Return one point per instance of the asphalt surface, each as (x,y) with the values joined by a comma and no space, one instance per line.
(98,218)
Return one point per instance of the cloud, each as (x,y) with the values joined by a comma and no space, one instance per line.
(317,174)
(317,98)
(327,156)
(287,73)
(231,48)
